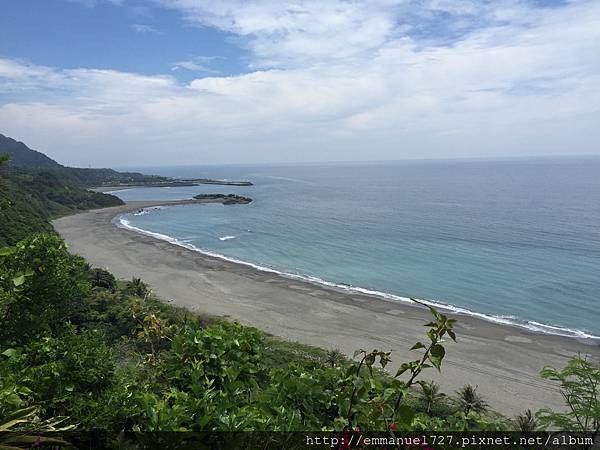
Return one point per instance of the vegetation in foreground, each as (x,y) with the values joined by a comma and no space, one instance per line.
(82,350)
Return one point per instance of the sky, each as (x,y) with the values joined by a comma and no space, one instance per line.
(178,82)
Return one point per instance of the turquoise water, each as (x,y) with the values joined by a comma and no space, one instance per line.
(515,240)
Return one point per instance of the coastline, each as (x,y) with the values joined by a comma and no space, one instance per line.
(172,183)
(318,315)
(451,310)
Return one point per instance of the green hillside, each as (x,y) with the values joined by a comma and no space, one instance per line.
(23,156)
(31,197)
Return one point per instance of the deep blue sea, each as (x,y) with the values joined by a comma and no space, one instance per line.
(515,240)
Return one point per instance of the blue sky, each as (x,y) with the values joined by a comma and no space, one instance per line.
(131,37)
(118,82)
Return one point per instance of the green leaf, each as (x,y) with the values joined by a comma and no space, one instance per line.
(438,351)
(23,390)
(452,335)
(9,352)
(18,281)
(5,251)
(403,368)
(384,359)
(417,346)
(405,414)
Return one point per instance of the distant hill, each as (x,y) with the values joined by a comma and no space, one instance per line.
(23,156)
(34,189)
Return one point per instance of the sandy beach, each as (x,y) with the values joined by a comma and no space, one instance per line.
(503,361)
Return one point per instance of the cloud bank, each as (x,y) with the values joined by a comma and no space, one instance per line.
(334,80)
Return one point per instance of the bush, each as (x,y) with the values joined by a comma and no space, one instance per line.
(65,373)
(102,279)
(579,385)
(42,286)
(221,357)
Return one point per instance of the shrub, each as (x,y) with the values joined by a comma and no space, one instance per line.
(137,287)
(41,287)
(64,373)
(222,357)
(102,279)
(579,385)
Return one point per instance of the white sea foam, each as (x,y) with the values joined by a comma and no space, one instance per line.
(226,238)
(144,211)
(530,325)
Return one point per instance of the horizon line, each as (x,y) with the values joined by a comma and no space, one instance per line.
(371,161)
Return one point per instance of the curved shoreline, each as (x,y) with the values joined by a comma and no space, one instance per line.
(503,361)
(528,325)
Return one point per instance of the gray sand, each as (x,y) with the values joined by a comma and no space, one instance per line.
(503,361)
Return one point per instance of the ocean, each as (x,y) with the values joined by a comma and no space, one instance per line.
(512,241)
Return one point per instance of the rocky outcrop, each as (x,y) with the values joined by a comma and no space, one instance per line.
(226,199)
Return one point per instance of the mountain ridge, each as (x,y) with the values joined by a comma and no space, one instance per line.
(22,155)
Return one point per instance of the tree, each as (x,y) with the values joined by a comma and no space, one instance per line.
(137,287)
(102,278)
(469,400)
(334,358)
(580,387)
(430,394)
(526,422)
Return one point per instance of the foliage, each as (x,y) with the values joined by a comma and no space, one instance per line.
(11,436)
(431,395)
(335,358)
(24,157)
(468,400)
(101,278)
(95,353)
(62,370)
(99,177)
(222,357)
(41,288)
(30,198)
(579,384)
(526,422)
(21,155)
(137,287)
(366,401)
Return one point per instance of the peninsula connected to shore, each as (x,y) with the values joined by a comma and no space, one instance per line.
(222,182)
(168,182)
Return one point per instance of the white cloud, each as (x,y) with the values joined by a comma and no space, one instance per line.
(94,3)
(144,29)
(197,64)
(334,80)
